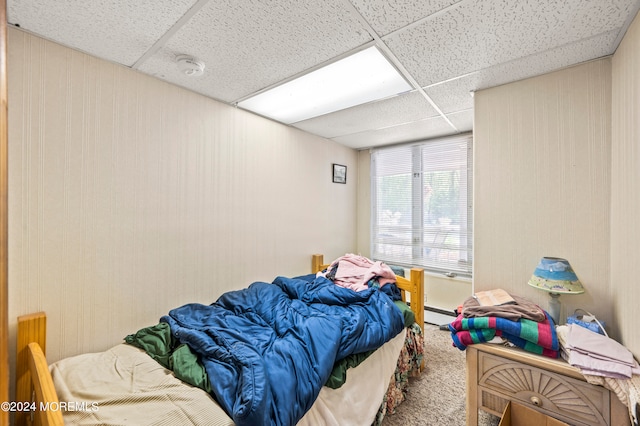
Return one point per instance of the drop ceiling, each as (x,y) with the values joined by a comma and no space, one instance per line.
(445,49)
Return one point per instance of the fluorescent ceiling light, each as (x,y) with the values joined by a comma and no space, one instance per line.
(363,77)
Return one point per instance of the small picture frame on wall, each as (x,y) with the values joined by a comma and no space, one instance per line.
(339,173)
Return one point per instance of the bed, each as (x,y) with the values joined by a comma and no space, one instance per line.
(103,387)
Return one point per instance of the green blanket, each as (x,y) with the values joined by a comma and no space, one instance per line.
(160,345)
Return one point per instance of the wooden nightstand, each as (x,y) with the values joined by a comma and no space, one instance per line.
(497,375)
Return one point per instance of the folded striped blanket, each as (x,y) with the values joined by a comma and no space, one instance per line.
(532,336)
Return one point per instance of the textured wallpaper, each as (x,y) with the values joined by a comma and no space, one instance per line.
(557,174)
(542,171)
(130,196)
(625,184)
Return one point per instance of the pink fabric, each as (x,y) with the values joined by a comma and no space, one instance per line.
(597,353)
(594,344)
(600,367)
(355,271)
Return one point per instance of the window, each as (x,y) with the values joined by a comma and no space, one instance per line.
(421,205)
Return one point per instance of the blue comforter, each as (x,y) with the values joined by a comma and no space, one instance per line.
(269,348)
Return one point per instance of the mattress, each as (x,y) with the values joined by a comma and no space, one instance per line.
(124,386)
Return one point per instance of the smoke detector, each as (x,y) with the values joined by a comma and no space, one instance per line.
(190,66)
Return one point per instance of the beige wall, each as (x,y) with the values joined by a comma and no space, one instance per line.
(557,173)
(625,184)
(130,196)
(446,293)
(542,183)
(122,186)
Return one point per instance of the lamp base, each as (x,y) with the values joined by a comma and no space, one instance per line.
(554,307)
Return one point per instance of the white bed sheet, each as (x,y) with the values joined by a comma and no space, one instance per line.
(356,403)
(124,386)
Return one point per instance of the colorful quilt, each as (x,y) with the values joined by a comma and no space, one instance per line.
(532,336)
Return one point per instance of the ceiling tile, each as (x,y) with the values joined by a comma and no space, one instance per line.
(248,46)
(449,47)
(417,130)
(554,59)
(117,30)
(374,115)
(463,120)
(385,16)
(454,95)
(484,33)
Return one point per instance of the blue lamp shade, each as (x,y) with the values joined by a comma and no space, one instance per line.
(556,275)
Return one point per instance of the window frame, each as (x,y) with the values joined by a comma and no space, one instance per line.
(416,244)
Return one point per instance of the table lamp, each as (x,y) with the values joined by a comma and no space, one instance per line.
(556,276)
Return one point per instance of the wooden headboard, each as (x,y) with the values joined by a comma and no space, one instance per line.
(414,286)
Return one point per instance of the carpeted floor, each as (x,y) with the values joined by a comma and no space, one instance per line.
(437,397)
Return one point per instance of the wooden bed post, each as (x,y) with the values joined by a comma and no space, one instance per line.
(316,262)
(417,279)
(45,391)
(31,328)
(4,244)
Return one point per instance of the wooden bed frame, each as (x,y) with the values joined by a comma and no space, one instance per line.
(414,285)
(34,383)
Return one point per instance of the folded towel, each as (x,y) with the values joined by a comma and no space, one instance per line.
(523,308)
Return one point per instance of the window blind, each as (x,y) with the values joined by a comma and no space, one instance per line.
(421,204)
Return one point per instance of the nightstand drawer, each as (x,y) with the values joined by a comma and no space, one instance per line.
(575,401)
